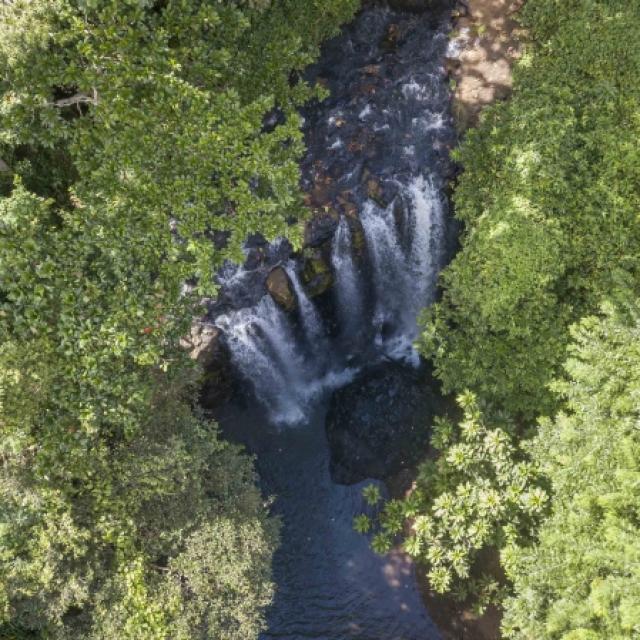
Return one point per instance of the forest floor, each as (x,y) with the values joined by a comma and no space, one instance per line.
(486,40)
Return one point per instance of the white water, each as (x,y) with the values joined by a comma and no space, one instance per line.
(290,367)
(370,313)
(348,289)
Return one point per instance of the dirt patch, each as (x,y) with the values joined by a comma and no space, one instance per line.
(485,42)
(457,620)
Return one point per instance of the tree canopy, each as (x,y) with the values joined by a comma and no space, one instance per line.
(549,198)
(581,580)
(136,158)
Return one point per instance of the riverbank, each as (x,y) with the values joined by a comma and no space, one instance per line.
(486,40)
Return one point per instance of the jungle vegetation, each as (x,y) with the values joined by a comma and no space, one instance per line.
(134,158)
(131,137)
(537,333)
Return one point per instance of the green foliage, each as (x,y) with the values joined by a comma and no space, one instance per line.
(480,493)
(112,555)
(371,494)
(138,160)
(549,198)
(362,523)
(582,579)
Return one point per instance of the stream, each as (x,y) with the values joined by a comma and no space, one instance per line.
(375,175)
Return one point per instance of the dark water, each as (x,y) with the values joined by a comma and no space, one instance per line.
(330,585)
(377,146)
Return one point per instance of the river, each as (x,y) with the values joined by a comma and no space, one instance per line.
(375,173)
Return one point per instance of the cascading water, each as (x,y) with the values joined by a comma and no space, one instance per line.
(348,290)
(375,170)
(392,173)
(310,318)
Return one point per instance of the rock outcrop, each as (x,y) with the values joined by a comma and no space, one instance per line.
(205,345)
(379,424)
(316,272)
(321,227)
(281,290)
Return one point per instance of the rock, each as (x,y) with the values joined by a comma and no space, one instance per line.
(4,167)
(391,38)
(281,290)
(379,424)
(205,345)
(451,66)
(358,238)
(375,192)
(316,272)
(203,342)
(462,9)
(321,227)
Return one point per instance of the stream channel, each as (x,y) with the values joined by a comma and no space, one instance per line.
(339,341)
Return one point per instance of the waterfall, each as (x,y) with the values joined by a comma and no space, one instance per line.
(264,350)
(312,324)
(288,371)
(378,146)
(427,231)
(348,290)
(286,374)
(405,241)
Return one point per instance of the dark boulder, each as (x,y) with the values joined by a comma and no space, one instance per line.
(321,227)
(379,424)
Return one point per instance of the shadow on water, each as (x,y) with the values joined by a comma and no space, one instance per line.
(330,584)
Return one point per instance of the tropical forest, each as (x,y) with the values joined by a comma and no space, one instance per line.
(319,319)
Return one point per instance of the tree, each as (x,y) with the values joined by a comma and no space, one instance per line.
(581,580)
(139,161)
(482,492)
(549,198)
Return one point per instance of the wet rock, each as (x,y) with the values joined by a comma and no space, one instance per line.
(375,192)
(206,346)
(372,69)
(379,424)
(321,227)
(366,89)
(358,238)
(316,272)
(399,216)
(391,38)
(321,191)
(281,290)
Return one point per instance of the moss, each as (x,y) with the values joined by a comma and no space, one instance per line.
(316,273)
